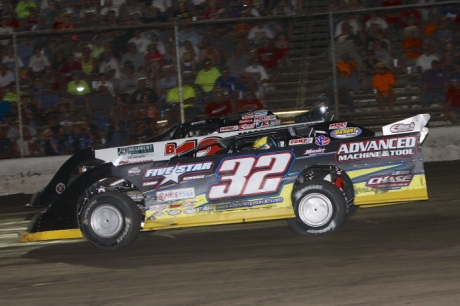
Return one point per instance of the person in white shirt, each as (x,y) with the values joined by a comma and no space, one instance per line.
(259,75)
(6,76)
(374,18)
(259,32)
(140,41)
(8,59)
(5,29)
(109,66)
(424,60)
(38,62)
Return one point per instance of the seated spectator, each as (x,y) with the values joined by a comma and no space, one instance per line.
(367,70)
(282,44)
(211,52)
(206,78)
(78,90)
(453,99)
(23,8)
(424,61)
(412,46)
(270,58)
(188,34)
(381,23)
(259,75)
(153,63)
(382,55)
(99,104)
(218,106)
(347,69)
(449,56)
(38,63)
(259,32)
(383,83)
(6,145)
(249,103)
(66,118)
(129,80)
(434,85)
(141,91)
(392,17)
(431,27)
(189,57)
(114,129)
(69,66)
(140,41)
(32,118)
(445,31)
(9,60)
(5,29)
(238,62)
(167,82)
(87,62)
(13,130)
(109,66)
(247,84)
(46,100)
(227,84)
(134,57)
(214,11)
(27,146)
(343,92)
(182,11)
(6,76)
(173,104)
(350,23)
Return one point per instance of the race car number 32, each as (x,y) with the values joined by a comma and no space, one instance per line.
(250,175)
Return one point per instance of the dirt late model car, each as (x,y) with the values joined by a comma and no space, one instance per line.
(315,176)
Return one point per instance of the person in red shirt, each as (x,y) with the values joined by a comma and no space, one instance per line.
(392,17)
(453,99)
(70,66)
(219,106)
(270,58)
(250,103)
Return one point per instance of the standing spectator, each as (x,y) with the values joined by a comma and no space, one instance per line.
(343,93)
(424,61)
(434,85)
(206,78)
(189,57)
(173,104)
(383,83)
(114,131)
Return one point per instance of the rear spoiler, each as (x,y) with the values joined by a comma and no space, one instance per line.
(409,125)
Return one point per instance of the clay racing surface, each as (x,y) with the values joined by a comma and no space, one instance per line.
(406,254)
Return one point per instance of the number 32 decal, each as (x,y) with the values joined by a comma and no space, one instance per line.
(250,175)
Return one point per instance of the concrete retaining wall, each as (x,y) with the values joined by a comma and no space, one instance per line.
(31,174)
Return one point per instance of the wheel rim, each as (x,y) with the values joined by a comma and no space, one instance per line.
(106,221)
(315,209)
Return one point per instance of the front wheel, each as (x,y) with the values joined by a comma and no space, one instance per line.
(320,207)
(110,220)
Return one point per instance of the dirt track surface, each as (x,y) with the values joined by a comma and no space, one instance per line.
(398,255)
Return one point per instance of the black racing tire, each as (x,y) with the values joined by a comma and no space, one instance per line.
(320,207)
(349,196)
(110,220)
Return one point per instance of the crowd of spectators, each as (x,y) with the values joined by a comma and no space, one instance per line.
(376,48)
(113,87)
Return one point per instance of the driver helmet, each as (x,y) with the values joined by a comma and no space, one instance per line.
(264,143)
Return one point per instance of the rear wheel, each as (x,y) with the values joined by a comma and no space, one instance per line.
(320,207)
(110,220)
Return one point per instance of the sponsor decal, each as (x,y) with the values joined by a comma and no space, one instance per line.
(157,207)
(198,122)
(149,183)
(249,176)
(173,148)
(178,194)
(322,140)
(265,118)
(206,208)
(275,122)
(229,128)
(402,127)
(135,150)
(314,151)
(248,115)
(378,148)
(60,187)
(337,125)
(158,214)
(245,121)
(189,203)
(189,211)
(175,205)
(174,212)
(300,141)
(132,162)
(194,177)
(260,112)
(247,126)
(349,132)
(248,203)
(395,180)
(172,173)
(134,171)
(262,124)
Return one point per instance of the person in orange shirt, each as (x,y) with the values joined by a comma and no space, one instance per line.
(347,69)
(383,83)
(411,45)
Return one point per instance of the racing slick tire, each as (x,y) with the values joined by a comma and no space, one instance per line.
(320,207)
(110,220)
